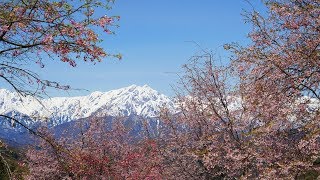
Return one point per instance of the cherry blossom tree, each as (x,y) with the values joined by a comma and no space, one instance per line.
(259,116)
(97,152)
(38,30)
(35,31)
(280,81)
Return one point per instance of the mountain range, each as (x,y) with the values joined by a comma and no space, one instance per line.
(136,103)
(138,100)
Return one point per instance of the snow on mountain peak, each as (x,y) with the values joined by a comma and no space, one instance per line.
(134,99)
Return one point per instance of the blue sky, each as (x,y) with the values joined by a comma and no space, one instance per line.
(152,38)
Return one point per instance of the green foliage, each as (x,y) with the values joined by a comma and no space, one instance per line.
(309,175)
(13,158)
(317,161)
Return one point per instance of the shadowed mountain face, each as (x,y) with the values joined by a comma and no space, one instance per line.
(138,126)
(16,135)
(138,105)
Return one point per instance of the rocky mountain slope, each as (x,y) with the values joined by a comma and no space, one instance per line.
(133,100)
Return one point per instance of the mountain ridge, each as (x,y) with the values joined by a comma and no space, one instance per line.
(139,100)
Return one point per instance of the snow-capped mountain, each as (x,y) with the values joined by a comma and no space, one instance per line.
(138,100)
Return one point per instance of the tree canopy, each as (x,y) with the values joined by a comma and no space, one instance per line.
(37,30)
